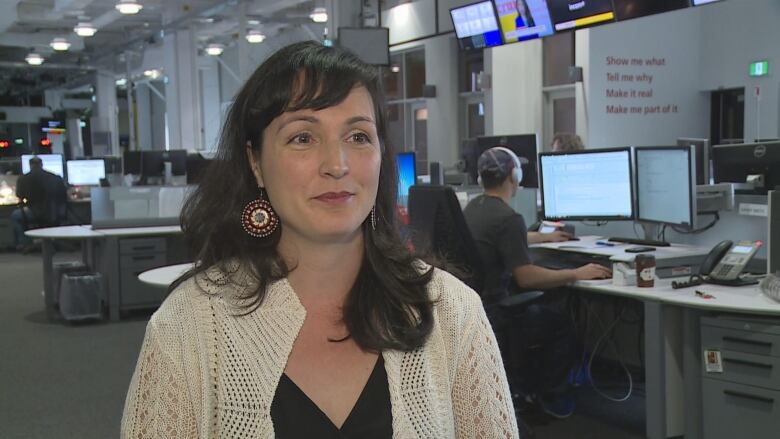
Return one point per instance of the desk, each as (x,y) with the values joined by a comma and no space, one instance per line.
(104,251)
(673,357)
(164,276)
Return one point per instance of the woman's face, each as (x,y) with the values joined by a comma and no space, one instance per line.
(321,168)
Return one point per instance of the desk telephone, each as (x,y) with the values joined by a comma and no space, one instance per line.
(724,264)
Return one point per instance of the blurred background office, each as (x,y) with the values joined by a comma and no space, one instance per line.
(124,100)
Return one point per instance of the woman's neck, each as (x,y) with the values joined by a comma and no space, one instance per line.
(322,272)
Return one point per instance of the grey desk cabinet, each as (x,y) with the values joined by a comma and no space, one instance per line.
(744,399)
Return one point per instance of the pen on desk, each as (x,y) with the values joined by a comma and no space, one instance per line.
(704,295)
(605,243)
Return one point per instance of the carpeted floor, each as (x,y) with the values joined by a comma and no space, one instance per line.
(66,381)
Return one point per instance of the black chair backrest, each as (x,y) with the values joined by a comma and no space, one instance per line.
(438,226)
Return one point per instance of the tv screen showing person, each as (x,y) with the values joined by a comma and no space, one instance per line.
(523,19)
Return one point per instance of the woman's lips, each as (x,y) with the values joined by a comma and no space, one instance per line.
(335,197)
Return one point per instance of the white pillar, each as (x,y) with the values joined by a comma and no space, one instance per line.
(144,115)
(212,120)
(105,115)
(182,91)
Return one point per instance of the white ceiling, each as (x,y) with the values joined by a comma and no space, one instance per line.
(30,25)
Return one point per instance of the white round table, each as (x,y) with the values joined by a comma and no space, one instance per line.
(164,276)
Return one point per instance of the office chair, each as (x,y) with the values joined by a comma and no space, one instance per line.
(438,227)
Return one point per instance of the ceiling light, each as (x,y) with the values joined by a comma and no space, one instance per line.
(215,49)
(395,68)
(319,15)
(121,82)
(34,59)
(152,73)
(128,7)
(255,36)
(60,44)
(85,29)
(253,22)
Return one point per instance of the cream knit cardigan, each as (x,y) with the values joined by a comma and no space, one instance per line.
(205,371)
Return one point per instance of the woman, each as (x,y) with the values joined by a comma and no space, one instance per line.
(306,316)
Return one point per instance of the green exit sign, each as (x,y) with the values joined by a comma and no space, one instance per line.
(759,68)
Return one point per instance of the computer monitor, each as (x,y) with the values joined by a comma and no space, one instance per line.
(735,163)
(577,14)
(131,162)
(51,163)
(476,25)
(524,146)
(666,185)
(628,9)
(178,160)
(522,20)
(407,175)
(587,185)
(703,151)
(86,172)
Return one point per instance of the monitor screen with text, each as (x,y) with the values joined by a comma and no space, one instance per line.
(664,184)
(587,185)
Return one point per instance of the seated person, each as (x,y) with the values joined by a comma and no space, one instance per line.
(501,239)
(43,196)
(566,142)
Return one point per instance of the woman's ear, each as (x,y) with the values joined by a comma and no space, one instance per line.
(254,163)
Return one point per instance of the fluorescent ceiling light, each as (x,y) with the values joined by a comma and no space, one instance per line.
(121,82)
(215,49)
(152,73)
(60,44)
(128,7)
(319,15)
(255,36)
(253,22)
(85,29)
(34,59)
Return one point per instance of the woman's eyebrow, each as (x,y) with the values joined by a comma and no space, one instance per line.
(356,119)
(310,119)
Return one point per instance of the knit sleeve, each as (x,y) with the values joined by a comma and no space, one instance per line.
(157,404)
(483,403)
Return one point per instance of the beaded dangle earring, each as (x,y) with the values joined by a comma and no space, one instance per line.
(373,217)
(258,218)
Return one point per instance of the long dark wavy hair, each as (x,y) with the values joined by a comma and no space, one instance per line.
(388,305)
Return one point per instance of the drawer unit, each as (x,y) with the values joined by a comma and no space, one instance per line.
(141,245)
(754,370)
(751,337)
(135,293)
(739,411)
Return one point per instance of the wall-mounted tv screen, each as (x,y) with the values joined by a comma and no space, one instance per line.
(476,25)
(628,9)
(522,20)
(576,14)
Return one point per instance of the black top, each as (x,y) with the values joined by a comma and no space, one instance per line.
(502,242)
(46,194)
(294,415)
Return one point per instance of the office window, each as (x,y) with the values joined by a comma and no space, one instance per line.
(558,56)
(727,116)
(414,67)
(392,78)
(472,64)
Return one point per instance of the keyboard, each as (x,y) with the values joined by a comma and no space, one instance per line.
(638,241)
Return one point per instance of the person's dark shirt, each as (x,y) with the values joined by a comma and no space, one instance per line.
(45,194)
(502,242)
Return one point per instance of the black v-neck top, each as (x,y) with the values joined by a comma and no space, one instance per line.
(294,415)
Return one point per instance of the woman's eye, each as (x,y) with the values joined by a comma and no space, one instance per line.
(303,138)
(359,138)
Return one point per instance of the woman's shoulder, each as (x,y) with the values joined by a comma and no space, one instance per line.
(454,301)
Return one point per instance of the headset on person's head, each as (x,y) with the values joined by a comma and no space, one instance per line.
(517,171)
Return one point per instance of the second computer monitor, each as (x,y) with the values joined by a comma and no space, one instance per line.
(666,185)
(407,174)
(524,146)
(86,172)
(587,185)
(51,163)
(702,157)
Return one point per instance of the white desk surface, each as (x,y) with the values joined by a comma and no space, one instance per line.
(64,232)
(747,299)
(86,231)
(130,231)
(164,276)
(617,252)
